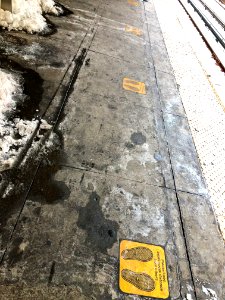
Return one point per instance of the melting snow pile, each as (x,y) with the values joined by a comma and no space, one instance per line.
(14,132)
(27,15)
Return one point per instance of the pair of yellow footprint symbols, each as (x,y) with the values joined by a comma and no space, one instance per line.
(142,281)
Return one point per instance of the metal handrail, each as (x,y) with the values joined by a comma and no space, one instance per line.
(6,5)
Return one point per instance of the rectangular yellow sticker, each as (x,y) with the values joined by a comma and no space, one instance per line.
(133,2)
(134,86)
(143,270)
(134,30)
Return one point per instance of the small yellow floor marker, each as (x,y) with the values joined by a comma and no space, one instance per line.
(134,86)
(134,30)
(143,270)
(133,2)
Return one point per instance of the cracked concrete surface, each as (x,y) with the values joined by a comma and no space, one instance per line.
(126,169)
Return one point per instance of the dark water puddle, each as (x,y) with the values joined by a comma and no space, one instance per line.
(16,253)
(7,39)
(58,116)
(101,232)
(79,61)
(138,138)
(20,179)
(52,273)
(32,85)
(45,188)
(34,53)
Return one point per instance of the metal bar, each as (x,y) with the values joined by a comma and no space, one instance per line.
(209,25)
(6,5)
(213,14)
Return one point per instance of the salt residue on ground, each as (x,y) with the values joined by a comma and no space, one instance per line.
(28,15)
(14,132)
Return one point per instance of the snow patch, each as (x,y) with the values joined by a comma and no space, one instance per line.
(27,15)
(188,297)
(209,292)
(14,132)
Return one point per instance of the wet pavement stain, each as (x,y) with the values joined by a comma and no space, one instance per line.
(20,180)
(138,138)
(45,188)
(16,253)
(52,272)
(79,61)
(11,203)
(101,232)
(32,54)
(50,190)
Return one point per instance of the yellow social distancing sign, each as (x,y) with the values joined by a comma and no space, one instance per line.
(133,2)
(143,270)
(134,30)
(134,86)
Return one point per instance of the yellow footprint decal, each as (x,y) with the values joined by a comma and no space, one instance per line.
(142,281)
(138,253)
(143,270)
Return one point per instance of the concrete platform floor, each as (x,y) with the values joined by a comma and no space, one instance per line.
(126,167)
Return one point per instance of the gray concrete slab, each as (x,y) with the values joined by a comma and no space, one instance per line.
(104,75)
(205,245)
(121,26)
(106,119)
(75,234)
(160,57)
(169,94)
(153,27)
(122,11)
(185,164)
(158,48)
(125,46)
(151,20)
(117,141)
(119,150)
(155,32)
